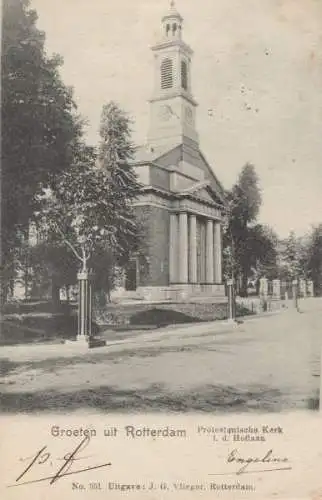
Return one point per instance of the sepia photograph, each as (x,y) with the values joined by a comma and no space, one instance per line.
(161,249)
(161,208)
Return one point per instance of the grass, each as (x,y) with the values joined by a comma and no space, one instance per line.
(33,328)
(36,322)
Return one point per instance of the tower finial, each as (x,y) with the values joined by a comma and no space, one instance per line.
(172,22)
(172,12)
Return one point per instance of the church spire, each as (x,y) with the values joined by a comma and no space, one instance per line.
(172,23)
(172,106)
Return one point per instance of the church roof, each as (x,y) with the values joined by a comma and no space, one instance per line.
(174,158)
(146,153)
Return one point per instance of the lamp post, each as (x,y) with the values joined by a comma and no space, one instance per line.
(230,281)
(230,292)
(85,279)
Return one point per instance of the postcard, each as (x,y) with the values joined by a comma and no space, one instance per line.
(161,249)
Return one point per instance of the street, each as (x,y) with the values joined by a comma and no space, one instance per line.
(265,364)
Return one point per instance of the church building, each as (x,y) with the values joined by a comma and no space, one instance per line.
(182,201)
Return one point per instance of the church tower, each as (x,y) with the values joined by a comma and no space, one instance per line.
(172,106)
(182,203)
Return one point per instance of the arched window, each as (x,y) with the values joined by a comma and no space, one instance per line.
(174,29)
(167,29)
(184,75)
(166,74)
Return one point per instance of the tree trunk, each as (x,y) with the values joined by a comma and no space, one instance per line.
(4,294)
(55,297)
(244,283)
(67,294)
(25,278)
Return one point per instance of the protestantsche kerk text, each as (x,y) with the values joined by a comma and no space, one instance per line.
(249,433)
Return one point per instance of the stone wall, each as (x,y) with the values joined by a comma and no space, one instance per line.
(157,245)
(159,177)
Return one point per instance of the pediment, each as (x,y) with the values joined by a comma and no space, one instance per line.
(204,194)
(201,191)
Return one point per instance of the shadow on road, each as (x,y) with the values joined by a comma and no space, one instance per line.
(155,398)
(53,364)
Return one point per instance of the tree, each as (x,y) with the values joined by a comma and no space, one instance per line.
(90,208)
(81,211)
(263,251)
(41,129)
(116,151)
(244,202)
(53,267)
(293,256)
(314,260)
(245,198)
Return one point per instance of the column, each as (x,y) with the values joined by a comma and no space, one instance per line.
(310,291)
(295,294)
(303,288)
(183,247)
(173,249)
(217,253)
(276,289)
(263,287)
(209,252)
(192,249)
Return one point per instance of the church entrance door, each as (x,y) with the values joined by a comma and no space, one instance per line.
(131,276)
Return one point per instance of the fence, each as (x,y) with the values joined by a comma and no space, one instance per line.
(275,294)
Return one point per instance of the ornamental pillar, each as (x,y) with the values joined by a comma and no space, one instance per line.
(263,287)
(276,289)
(303,292)
(84,306)
(310,291)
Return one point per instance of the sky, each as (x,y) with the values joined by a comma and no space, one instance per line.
(257,66)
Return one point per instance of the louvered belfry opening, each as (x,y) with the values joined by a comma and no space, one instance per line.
(184,75)
(166,74)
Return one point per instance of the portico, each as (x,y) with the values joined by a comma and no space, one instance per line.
(195,249)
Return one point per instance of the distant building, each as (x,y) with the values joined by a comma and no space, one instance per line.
(182,201)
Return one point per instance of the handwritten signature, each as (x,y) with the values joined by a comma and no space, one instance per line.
(44,457)
(244,463)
